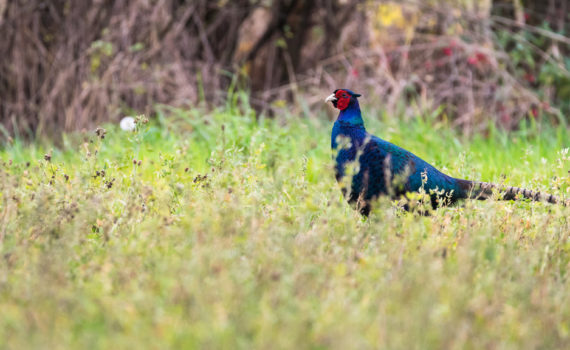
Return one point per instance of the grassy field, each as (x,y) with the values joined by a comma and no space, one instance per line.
(230,232)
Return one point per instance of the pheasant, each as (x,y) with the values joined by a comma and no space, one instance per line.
(382,168)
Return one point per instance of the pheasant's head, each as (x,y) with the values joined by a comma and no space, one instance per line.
(342,98)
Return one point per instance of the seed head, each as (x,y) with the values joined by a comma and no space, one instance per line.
(100,132)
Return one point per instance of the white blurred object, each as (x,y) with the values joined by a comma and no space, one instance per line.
(128,124)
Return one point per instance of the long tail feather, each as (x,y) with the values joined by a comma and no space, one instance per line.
(484,190)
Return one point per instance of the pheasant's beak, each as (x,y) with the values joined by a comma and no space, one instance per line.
(332,97)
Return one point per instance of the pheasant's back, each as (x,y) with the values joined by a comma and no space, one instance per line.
(384,168)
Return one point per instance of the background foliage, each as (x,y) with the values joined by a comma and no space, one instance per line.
(69,65)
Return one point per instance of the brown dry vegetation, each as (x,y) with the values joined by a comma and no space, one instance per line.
(68,65)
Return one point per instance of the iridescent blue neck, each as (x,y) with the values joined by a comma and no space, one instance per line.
(351,115)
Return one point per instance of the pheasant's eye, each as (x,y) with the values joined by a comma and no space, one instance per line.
(345,95)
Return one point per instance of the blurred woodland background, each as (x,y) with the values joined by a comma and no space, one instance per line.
(68,65)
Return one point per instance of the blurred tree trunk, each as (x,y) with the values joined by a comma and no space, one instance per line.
(280,53)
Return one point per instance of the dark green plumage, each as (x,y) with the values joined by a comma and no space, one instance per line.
(382,168)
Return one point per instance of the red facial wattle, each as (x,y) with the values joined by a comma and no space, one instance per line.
(343,99)
(342,103)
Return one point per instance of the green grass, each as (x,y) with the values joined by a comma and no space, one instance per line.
(232,233)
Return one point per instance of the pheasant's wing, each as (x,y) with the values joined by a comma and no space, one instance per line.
(408,172)
(381,165)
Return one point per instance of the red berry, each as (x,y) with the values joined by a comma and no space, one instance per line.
(447,51)
(481,57)
(530,77)
(505,118)
(472,60)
